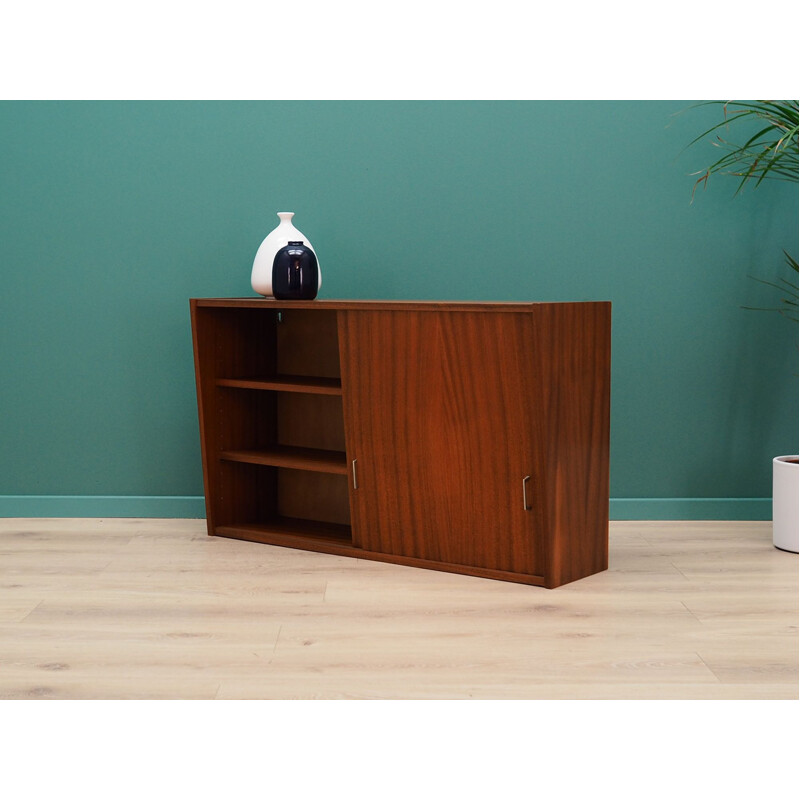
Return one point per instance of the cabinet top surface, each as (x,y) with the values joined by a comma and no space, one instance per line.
(387,305)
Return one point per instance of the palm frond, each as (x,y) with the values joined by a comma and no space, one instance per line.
(771,152)
(789,302)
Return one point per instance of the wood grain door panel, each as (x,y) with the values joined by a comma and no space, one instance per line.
(440,413)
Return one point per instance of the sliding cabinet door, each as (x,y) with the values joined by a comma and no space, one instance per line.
(441,424)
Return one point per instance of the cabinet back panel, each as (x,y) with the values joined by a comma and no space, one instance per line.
(313,495)
(308,343)
(244,341)
(246,419)
(247,493)
(310,420)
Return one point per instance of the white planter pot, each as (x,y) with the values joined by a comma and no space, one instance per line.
(261,276)
(785,476)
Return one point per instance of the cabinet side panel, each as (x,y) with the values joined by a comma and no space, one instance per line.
(204,363)
(573,356)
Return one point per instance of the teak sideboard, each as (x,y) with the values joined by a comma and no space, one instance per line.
(465,437)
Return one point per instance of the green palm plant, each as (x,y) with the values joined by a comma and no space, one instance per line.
(769,152)
(788,306)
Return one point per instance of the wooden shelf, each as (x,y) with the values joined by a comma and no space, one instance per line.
(287,383)
(281,530)
(304,458)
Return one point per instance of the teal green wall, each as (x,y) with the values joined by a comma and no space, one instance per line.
(113,214)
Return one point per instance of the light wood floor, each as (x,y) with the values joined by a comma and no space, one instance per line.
(143,608)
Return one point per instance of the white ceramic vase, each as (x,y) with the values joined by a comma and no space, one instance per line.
(261,277)
(785,476)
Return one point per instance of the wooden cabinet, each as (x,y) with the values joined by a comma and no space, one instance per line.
(467,437)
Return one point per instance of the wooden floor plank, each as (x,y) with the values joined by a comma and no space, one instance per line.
(138,608)
(315,687)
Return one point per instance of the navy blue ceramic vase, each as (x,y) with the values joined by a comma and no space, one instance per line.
(295,274)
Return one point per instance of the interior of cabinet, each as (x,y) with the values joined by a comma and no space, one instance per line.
(273,415)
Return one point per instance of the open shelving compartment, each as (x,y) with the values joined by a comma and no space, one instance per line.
(273,424)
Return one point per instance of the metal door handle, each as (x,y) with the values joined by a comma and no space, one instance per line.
(525,493)
(355,480)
